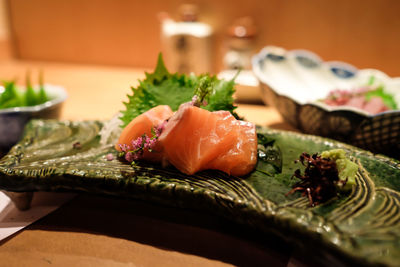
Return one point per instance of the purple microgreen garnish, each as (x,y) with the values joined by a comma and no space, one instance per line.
(319,181)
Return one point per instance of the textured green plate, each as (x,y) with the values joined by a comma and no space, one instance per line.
(362,226)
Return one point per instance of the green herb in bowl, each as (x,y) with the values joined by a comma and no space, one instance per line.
(13,97)
(18,106)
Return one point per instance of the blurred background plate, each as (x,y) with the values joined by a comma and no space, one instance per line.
(293,82)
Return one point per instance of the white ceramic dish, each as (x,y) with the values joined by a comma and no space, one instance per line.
(293,81)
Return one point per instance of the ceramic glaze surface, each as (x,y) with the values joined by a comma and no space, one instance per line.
(362,226)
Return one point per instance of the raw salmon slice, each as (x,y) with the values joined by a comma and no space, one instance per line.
(143,124)
(241,157)
(195,139)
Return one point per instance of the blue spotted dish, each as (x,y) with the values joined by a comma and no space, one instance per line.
(13,120)
(295,81)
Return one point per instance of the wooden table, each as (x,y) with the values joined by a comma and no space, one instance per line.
(103,231)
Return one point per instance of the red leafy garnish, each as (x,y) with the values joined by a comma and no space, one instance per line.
(319,181)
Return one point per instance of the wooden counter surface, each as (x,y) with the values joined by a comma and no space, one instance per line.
(104,231)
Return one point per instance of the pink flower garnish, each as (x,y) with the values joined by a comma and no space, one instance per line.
(129,156)
(195,101)
(109,157)
(142,143)
(137,143)
(150,144)
(158,130)
(123,147)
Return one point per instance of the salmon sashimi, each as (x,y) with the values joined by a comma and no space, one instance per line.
(143,125)
(195,139)
(241,157)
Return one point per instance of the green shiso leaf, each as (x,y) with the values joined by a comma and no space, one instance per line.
(164,88)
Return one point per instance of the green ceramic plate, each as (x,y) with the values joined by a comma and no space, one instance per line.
(362,226)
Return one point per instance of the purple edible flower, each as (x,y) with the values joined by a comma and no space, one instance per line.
(195,101)
(129,156)
(138,146)
(123,147)
(158,130)
(150,144)
(137,143)
(146,141)
(109,157)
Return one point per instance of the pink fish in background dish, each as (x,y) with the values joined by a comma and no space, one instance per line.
(359,98)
